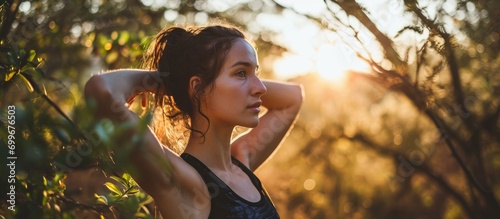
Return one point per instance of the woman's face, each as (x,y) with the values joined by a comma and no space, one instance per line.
(235,98)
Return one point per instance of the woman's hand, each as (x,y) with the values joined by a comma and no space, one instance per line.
(144,99)
(120,88)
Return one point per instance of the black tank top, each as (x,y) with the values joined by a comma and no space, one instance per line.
(225,203)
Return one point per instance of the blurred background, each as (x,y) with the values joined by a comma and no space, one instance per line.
(400,120)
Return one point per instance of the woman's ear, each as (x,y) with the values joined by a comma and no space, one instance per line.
(194,82)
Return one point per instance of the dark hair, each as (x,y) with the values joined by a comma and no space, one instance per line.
(181,53)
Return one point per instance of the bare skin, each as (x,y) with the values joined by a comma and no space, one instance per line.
(234,100)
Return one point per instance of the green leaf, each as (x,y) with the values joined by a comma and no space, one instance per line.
(101,199)
(59,176)
(28,84)
(140,215)
(29,70)
(113,188)
(133,190)
(32,55)
(127,177)
(119,179)
(10,75)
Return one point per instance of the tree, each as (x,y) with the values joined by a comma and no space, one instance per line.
(442,63)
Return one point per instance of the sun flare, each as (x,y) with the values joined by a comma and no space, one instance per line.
(331,62)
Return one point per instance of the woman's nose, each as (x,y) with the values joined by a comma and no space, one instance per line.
(258,88)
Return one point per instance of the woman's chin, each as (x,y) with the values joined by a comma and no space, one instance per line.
(251,124)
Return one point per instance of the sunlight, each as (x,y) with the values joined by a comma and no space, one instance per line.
(313,49)
(310,49)
(329,61)
(290,65)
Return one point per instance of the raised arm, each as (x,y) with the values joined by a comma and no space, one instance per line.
(283,101)
(111,92)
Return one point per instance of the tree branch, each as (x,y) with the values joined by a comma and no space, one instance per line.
(10,17)
(488,195)
(416,98)
(351,7)
(489,122)
(423,168)
(450,60)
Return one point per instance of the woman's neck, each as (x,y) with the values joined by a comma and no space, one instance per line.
(213,148)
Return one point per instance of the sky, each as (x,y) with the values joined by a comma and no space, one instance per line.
(313,49)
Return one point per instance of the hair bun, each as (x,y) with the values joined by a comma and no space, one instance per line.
(171,41)
(163,43)
(176,35)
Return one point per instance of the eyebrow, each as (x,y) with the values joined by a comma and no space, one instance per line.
(247,64)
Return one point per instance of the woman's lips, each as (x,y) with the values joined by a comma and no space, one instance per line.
(255,106)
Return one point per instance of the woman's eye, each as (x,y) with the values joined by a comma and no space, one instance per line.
(241,74)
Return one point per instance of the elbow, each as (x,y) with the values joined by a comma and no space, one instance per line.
(95,92)
(92,87)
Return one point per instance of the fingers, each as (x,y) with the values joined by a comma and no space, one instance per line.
(131,100)
(144,100)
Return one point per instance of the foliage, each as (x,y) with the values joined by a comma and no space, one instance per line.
(18,63)
(129,201)
(431,122)
(48,145)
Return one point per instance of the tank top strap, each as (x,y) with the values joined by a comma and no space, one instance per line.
(206,174)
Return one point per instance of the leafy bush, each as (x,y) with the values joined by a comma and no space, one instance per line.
(45,144)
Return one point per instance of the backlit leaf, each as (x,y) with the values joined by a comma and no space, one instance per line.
(113,188)
(28,84)
(10,75)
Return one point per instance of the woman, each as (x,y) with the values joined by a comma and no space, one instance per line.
(208,76)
